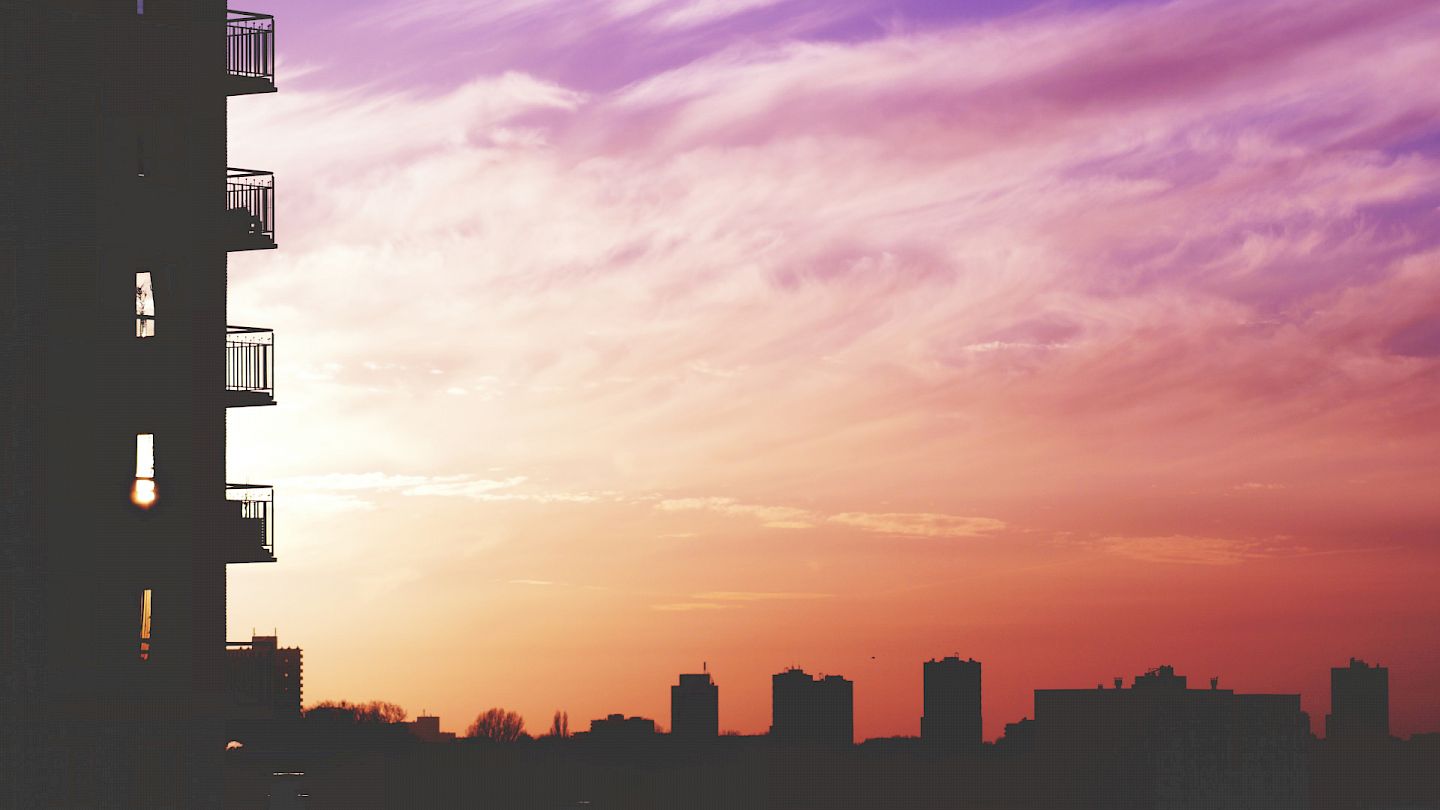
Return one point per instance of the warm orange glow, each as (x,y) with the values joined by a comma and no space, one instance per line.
(145,600)
(143,495)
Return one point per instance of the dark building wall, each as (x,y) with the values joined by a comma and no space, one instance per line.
(263,682)
(806,711)
(1159,744)
(952,721)
(836,704)
(792,707)
(695,708)
(84,83)
(1359,702)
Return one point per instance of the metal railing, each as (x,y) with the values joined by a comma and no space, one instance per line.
(250,209)
(257,516)
(250,48)
(250,361)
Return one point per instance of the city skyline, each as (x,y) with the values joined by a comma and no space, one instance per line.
(1357,688)
(1070,336)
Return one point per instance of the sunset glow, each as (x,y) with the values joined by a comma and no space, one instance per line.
(625,337)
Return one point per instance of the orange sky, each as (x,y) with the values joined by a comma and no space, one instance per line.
(1078,340)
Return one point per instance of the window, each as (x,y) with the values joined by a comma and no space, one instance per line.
(139,6)
(144,493)
(146,600)
(144,306)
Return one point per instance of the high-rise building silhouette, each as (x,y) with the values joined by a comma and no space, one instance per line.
(695,708)
(1359,702)
(117,212)
(1161,744)
(952,722)
(812,711)
(264,680)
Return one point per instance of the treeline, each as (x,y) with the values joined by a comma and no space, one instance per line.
(497,724)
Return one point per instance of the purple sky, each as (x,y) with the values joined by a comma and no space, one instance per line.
(1075,337)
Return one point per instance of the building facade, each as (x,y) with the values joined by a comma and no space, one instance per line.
(264,681)
(1359,703)
(812,711)
(117,213)
(952,720)
(1160,744)
(695,708)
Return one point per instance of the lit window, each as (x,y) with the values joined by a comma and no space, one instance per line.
(145,602)
(144,493)
(144,306)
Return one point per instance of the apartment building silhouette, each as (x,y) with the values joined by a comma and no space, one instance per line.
(952,720)
(812,711)
(117,212)
(695,708)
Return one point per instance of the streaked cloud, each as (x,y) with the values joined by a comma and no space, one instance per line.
(919,524)
(686,607)
(775,517)
(757,596)
(1184,550)
(1163,274)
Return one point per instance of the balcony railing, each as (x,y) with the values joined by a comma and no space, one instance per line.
(249,209)
(250,523)
(249,366)
(249,53)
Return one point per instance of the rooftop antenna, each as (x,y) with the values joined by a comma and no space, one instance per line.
(704,666)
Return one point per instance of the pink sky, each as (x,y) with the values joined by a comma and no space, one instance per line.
(621,336)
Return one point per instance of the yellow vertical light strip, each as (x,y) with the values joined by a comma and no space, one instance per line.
(146,597)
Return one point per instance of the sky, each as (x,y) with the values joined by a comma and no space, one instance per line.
(620,338)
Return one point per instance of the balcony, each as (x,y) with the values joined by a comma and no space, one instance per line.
(248,530)
(249,53)
(249,210)
(249,366)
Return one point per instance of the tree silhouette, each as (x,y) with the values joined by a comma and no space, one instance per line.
(559,725)
(500,725)
(375,712)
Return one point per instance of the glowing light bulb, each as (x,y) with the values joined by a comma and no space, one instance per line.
(143,495)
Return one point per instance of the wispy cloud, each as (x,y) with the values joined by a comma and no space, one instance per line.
(1184,550)
(685,607)
(775,517)
(758,596)
(919,524)
(1113,262)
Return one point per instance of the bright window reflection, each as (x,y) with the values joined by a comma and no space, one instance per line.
(144,306)
(144,493)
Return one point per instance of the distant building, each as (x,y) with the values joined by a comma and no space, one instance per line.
(1160,744)
(1359,702)
(952,722)
(619,728)
(263,680)
(1019,737)
(695,708)
(427,729)
(812,711)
